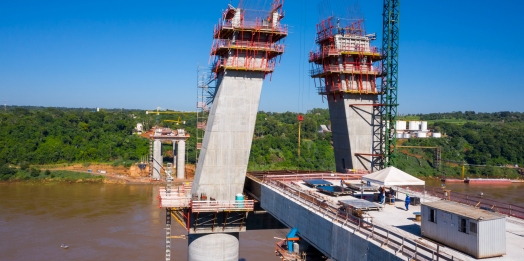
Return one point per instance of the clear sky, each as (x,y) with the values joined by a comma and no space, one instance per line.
(454,55)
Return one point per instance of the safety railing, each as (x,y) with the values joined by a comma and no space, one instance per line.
(215,206)
(331,51)
(175,202)
(226,43)
(300,177)
(257,24)
(386,238)
(476,201)
(245,64)
(176,198)
(375,70)
(202,125)
(367,90)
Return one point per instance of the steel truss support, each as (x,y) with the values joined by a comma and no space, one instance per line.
(390,44)
(378,141)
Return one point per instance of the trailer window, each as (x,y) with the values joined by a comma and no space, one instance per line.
(433,215)
(473,227)
(463,225)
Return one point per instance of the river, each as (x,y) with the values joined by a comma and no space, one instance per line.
(121,222)
(98,222)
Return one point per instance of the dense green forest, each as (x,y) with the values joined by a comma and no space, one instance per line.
(488,144)
(39,135)
(485,142)
(275,144)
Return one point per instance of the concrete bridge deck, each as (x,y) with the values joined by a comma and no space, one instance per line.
(389,234)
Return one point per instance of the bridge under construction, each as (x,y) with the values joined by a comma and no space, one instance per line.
(333,215)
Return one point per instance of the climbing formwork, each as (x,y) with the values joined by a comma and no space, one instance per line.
(246,41)
(345,68)
(345,62)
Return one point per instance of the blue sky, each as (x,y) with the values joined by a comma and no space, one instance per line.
(454,55)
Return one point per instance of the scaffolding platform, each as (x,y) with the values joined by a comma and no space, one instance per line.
(335,190)
(360,204)
(364,188)
(179,198)
(317,182)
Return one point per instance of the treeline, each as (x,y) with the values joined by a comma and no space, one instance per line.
(51,135)
(38,136)
(275,142)
(503,116)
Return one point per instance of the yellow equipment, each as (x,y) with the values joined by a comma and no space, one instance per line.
(176,121)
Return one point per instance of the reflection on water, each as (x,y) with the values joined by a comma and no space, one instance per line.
(98,222)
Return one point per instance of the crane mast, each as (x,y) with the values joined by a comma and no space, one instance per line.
(390,44)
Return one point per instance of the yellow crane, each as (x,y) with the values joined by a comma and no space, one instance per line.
(178,121)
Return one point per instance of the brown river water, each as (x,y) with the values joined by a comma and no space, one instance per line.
(122,222)
(98,222)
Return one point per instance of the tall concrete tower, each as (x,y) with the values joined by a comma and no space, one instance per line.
(345,72)
(246,46)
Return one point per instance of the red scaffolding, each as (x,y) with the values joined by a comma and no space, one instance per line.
(247,40)
(345,62)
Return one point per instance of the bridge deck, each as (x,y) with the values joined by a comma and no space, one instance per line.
(392,219)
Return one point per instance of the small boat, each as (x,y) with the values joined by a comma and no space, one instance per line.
(64,246)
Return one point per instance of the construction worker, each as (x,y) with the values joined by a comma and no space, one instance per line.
(407,201)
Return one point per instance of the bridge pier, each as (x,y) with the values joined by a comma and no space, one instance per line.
(216,246)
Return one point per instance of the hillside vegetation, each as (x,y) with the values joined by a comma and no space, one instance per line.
(41,136)
(489,144)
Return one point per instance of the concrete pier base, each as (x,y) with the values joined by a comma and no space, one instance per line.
(217,246)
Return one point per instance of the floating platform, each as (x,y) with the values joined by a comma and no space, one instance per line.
(488,181)
(335,190)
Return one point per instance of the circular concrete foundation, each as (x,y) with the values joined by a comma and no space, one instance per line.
(217,246)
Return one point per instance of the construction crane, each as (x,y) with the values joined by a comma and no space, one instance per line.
(390,43)
(178,121)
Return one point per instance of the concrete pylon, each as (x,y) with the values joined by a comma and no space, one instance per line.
(157,159)
(245,49)
(224,156)
(245,52)
(181,156)
(345,70)
(352,130)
